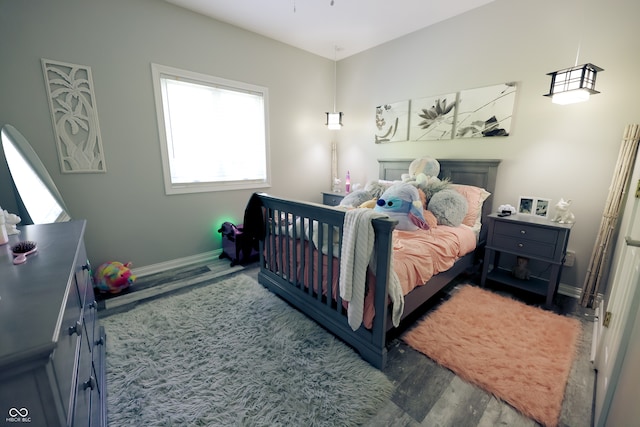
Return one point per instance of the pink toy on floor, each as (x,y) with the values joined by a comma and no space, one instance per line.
(113,277)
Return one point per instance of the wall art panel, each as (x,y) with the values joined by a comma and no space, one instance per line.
(485,111)
(392,122)
(432,118)
(75,119)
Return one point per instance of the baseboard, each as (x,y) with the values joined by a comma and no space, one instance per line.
(176,263)
(563,289)
(570,291)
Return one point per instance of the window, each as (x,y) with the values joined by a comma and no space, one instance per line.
(213,132)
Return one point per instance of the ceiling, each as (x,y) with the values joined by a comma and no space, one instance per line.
(334,31)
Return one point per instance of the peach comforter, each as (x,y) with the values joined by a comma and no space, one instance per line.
(421,254)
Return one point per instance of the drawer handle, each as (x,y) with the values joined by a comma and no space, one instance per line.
(521,245)
(90,383)
(523,231)
(76,329)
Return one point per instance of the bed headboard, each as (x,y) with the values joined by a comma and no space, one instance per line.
(479,173)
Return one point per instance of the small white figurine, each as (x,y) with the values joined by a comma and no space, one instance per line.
(563,215)
(10,222)
(337,188)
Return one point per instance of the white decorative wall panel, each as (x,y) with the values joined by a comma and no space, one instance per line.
(74,115)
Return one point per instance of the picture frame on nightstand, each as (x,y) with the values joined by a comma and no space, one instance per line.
(525,205)
(542,208)
(537,206)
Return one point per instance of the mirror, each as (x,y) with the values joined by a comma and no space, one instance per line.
(36,190)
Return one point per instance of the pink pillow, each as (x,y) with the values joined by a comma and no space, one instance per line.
(475,198)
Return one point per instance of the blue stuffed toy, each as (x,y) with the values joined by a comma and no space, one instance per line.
(402,202)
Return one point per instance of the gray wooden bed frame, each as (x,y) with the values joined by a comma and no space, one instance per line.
(327,309)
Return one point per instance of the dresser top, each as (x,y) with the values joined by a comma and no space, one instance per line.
(32,294)
(530,219)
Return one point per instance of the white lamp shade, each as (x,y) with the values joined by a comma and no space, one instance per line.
(334,121)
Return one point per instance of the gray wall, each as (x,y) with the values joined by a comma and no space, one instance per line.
(554,151)
(129,216)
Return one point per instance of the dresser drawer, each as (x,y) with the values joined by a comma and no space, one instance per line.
(524,247)
(84,388)
(332,199)
(524,231)
(65,355)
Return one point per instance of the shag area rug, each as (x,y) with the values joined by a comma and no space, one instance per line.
(519,353)
(233,354)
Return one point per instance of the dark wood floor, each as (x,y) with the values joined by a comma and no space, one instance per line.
(425,393)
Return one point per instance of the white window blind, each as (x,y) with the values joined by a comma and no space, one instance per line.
(213,132)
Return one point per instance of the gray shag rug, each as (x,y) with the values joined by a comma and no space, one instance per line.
(233,354)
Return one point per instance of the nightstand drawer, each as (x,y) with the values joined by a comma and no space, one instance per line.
(332,199)
(524,247)
(528,232)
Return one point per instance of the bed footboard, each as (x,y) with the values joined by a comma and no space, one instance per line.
(300,259)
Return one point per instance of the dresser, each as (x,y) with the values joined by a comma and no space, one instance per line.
(52,348)
(535,238)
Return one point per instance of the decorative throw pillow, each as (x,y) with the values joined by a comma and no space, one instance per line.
(449,207)
(475,199)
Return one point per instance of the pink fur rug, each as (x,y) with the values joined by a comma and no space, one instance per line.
(519,353)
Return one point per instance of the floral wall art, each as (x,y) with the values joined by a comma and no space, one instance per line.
(75,120)
(485,111)
(392,122)
(475,113)
(432,118)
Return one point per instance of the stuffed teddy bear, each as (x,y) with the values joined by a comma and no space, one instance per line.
(448,206)
(113,277)
(423,173)
(402,202)
(422,170)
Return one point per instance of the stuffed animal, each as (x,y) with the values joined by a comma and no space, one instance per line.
(402,202)
(422,170)
(563,215)
(521,269)
(376,188)
(355,199)
(113,277)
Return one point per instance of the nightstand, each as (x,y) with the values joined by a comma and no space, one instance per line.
(332,199)
(530,237)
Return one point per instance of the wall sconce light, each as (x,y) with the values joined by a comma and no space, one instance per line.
(334,120)
(574,84)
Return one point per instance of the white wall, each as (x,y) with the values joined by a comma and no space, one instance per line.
(129,216)
(553,151)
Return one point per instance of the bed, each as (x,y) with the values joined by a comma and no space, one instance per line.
(300,250)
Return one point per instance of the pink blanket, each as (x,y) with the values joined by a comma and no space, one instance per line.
(418,255)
